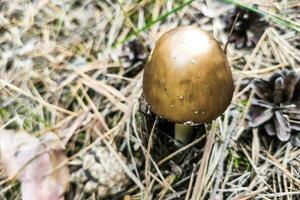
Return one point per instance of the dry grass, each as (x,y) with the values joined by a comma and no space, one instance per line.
(66,66)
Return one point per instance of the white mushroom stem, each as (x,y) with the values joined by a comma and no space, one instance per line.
(183,133)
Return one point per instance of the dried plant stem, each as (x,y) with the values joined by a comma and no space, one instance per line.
(199,184)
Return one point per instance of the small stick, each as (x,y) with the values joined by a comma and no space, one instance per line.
(231,31)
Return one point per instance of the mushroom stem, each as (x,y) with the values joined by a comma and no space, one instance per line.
(183,133)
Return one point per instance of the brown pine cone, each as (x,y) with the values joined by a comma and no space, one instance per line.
(99,171)
(276,106)
(248,28)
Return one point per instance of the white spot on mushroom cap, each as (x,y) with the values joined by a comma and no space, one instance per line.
(193,61)
(190,123)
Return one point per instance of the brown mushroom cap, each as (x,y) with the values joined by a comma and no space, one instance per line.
(187,77)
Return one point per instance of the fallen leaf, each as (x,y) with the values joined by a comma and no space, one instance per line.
(35,163)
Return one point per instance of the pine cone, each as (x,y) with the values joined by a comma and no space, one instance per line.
(248,28)
(276,106)
(99,171)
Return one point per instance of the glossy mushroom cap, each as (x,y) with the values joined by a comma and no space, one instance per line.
(187,77)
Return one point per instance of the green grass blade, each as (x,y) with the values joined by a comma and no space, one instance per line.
(153,22)
(273,17)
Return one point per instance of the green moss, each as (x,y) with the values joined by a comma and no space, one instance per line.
(4,114)
(240,162)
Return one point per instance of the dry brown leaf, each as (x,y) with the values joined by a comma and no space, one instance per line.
(35,163)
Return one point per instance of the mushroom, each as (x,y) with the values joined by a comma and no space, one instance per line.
(187,79)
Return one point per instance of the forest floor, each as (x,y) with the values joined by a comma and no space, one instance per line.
(75,68)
